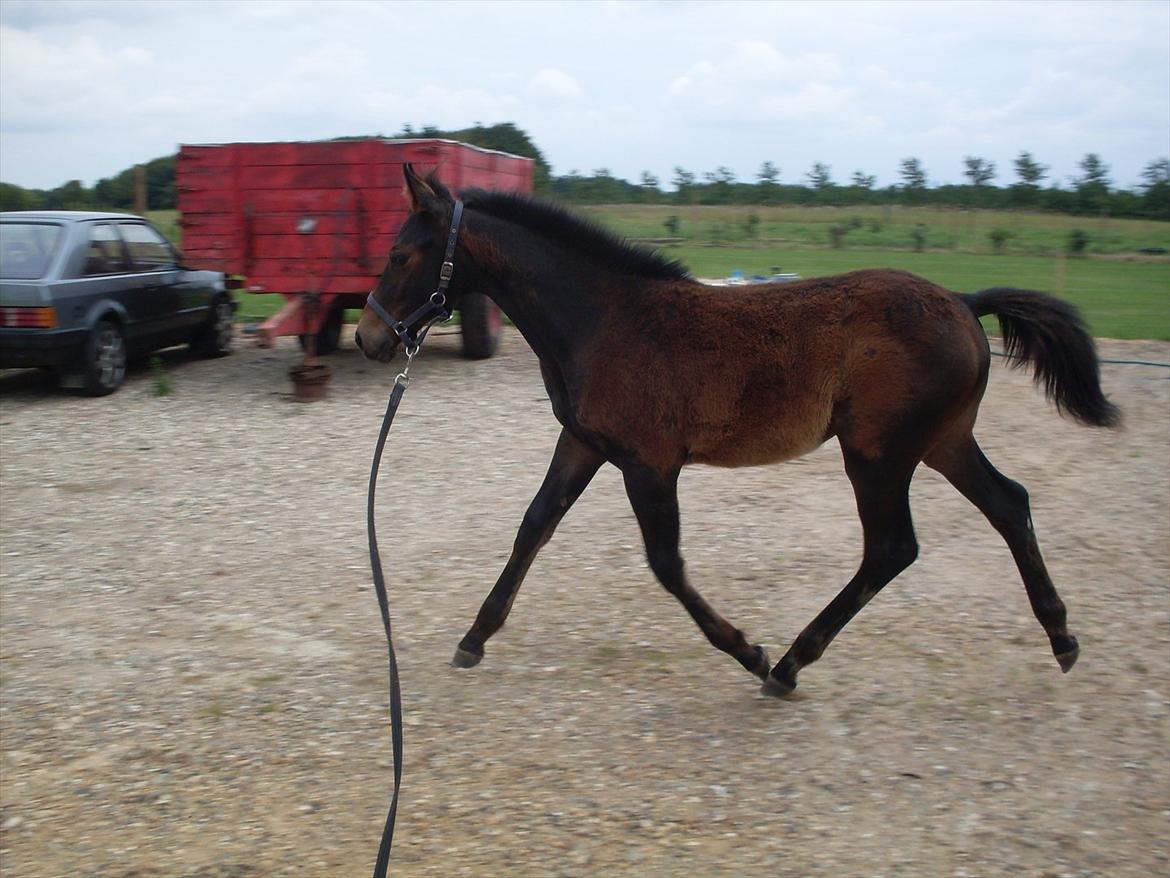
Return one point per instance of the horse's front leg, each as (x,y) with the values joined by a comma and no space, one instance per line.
(654,497)
(573,467)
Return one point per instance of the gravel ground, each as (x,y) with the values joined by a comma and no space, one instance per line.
(193,671)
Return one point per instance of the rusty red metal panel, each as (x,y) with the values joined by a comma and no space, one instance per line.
(317,216)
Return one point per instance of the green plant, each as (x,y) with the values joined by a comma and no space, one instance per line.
(1078,242)
(160,378)
(918,236)
(999,237)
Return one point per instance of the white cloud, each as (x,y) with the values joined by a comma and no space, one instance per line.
(555,84)
(756,82)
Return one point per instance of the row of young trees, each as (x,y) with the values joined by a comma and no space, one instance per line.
(1089,192)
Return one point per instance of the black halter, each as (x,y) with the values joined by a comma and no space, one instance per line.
(435,308)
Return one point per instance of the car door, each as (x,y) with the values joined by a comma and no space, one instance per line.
(159,301)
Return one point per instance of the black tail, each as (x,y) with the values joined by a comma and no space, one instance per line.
(1050,334)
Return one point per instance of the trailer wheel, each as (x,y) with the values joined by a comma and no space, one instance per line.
(481,324)
(329,338)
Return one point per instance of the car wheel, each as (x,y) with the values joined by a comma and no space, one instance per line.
(481,325)
(329,338)
(105,359)
(215,337)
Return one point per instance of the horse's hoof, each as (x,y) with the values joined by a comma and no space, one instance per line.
(776,688)
(465,659)
(763,665)
(1068,658)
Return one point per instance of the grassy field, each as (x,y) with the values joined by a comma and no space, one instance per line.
(887,227)
(1122,293)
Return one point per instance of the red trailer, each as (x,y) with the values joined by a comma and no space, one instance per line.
(315,221)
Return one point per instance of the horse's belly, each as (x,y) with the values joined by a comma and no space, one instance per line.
(777,443)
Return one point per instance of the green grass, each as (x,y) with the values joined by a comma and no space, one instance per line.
(886,227)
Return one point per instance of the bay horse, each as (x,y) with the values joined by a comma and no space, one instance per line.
(650,370)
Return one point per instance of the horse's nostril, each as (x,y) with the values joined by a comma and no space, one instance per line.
(357,339)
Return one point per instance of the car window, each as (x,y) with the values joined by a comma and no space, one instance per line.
(104,254)
(26,249)
(149,250)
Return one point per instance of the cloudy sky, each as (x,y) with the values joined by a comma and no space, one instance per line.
(90,88)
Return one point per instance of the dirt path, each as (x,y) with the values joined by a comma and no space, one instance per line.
(192,674)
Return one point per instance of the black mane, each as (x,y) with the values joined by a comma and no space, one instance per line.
(574,233)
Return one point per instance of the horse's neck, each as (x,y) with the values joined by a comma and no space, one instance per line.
(555,333)
(555,306)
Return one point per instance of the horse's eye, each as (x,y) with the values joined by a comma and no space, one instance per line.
(398,259)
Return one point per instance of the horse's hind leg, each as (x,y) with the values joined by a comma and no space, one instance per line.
(882,490)
(1005,503)
(573,467)
(654,498)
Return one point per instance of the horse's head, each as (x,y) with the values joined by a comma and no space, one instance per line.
(412,272)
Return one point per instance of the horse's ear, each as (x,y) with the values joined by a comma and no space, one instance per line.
(424,193)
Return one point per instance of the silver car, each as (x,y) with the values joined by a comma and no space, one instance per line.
(82,292)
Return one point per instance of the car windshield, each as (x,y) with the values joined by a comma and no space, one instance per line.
(26,249)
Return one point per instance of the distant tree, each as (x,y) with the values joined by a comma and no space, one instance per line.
(820,176)
(684,182)
(506,137)
(1029,172)
(1094,172)
(70,196)
(768,189)
(605,187)
(720,182)
(913,180)
(1093,184)
(768,175)
(979,171)
(115,191)
(160,184)
(14,197)
(1155,199)
(722,174)
(1157,171)
(863,181)
(649,187)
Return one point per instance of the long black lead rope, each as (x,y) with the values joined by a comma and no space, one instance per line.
(383,860)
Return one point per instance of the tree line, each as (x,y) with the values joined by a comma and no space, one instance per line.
(1031,187)
(1090,192)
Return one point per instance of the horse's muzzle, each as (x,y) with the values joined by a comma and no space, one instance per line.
(377,344)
